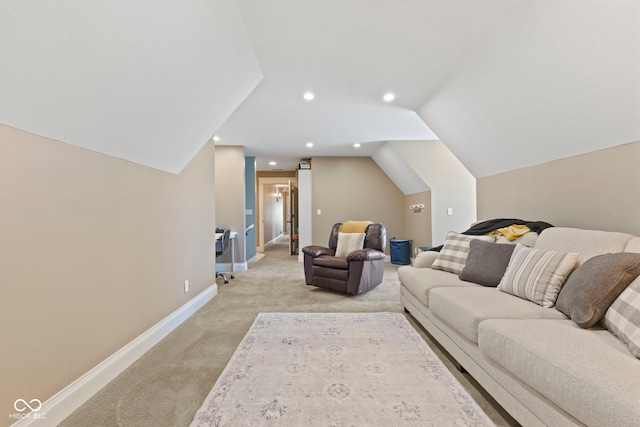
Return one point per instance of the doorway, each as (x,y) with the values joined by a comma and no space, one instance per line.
(277,210)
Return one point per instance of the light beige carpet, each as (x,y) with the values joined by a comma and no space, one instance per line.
(337,369)
(166,386)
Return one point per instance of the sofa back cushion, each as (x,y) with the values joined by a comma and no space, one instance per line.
(594,285)
(537,275)
(375,236)
(453,254)
(587,243)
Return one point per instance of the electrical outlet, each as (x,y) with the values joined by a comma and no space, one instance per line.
(186,286)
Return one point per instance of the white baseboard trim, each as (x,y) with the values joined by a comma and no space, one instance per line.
(63,403)
(273,240)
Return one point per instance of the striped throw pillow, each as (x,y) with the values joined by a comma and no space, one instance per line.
(623,317)
(537,275)
(453,255)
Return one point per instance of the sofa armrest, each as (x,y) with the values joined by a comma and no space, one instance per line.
(366,254)
(425,259)
(316,251)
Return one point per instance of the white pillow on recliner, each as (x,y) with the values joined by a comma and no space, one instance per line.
(348,242)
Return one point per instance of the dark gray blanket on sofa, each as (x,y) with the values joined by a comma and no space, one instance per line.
(490,225)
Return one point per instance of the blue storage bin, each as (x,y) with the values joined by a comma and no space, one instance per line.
(400,250)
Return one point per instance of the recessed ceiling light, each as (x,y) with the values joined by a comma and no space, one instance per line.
(309,144)
(388,97)
(309,96)
(357,145)
(272,163)
(216,138)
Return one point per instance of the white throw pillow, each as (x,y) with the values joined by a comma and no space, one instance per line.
(537,275)
(453,255)
(349,242)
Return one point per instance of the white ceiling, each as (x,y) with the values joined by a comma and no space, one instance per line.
(503,83)
(148,81)
(349,54)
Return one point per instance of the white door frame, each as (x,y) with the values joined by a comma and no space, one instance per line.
(262,181)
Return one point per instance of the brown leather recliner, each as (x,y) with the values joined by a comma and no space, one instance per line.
(360,272)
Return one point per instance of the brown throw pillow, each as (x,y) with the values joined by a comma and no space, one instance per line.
(593,287)
(486,262)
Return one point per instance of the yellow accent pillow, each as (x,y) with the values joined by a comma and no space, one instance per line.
(354,226)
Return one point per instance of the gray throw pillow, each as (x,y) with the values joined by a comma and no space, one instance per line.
(486,262)
(593,286)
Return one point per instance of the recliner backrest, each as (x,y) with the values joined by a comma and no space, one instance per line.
(375,236)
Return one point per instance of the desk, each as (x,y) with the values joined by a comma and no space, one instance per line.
(232,236)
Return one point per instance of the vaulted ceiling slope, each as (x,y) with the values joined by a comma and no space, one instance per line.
(502,83)
(556,79)
(148,81)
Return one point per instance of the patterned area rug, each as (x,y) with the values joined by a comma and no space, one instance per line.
(336,370)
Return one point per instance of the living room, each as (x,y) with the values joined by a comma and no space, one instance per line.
(108,162)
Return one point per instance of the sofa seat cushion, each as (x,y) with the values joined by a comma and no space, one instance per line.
(586,372)
(464,309)
(331,262)
(419,281)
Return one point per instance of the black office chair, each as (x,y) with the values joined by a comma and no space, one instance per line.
(222,247)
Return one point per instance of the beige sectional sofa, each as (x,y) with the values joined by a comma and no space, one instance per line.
(538,364)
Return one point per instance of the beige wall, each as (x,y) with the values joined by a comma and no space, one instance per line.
(452,185)
(230,194)
(93,251)
(597,190)
(354,188)
(418,224)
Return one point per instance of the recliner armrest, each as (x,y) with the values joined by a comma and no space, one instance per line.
(366,254)
(316,251)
